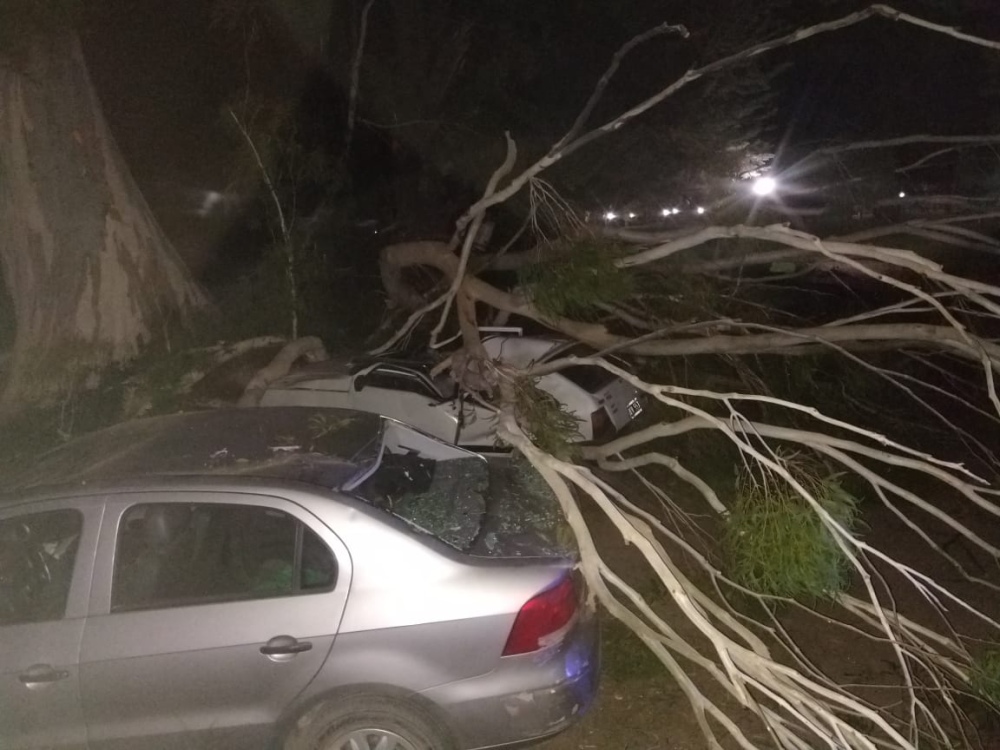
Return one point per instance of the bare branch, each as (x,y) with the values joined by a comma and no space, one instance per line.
(907,140)
(616,60)
(470,237)
(309,348)
(556,154)
(352,102)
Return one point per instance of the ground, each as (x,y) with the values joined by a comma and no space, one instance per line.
(641,708)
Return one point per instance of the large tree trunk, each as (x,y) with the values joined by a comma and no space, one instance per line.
(89,271)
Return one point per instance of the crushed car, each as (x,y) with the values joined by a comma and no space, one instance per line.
(407,389)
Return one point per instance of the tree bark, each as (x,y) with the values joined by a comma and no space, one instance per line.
(90,274)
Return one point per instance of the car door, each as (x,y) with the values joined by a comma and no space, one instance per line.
(46,553)
(210,613)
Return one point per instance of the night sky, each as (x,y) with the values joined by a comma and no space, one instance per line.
(164,78)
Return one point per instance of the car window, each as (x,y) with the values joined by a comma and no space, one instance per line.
(37,554)
(178,554)
(589,377)
(446,499)
(397,380)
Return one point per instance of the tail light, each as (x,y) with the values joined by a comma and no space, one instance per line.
(542,615)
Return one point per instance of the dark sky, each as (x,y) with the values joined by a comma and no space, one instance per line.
(164,76)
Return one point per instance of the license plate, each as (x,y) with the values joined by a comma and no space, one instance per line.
(634,408)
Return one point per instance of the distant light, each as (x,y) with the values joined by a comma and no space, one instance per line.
(631,215)
(665,212)
(700,210)
(675,211)
(902,193)
(610,216)
(765,186)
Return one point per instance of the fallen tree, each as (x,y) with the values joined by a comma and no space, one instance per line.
(637,294)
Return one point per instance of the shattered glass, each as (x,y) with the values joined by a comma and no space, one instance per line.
(525,517)
(453,506)
(499,508)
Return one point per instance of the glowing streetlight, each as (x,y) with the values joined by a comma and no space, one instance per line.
(902,193)
(665,212)
(700,210)
(765,186)
(610,216)
(631,215)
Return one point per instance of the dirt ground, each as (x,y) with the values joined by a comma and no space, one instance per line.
(640,707)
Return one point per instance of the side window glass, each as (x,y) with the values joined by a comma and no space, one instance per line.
(37,554)
(176,554)
(395,380)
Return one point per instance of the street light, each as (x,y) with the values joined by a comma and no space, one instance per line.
(764,186)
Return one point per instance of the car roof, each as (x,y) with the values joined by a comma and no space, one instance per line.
(514,349)
(315,445)
(521,351)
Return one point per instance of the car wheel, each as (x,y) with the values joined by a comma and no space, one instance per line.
(368,722)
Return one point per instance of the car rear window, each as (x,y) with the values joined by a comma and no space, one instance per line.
(495,508)
(589,377)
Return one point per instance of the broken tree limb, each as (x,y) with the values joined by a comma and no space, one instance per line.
(309,348)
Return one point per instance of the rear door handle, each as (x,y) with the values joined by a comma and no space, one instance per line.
(285,645)
(40,674)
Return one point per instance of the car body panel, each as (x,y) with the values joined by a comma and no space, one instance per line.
(440,411)
(451,419)
(194,676)
(527,697)
(409,617)
(43,715)
(621,401)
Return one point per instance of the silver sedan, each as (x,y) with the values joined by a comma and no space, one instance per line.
(293,578)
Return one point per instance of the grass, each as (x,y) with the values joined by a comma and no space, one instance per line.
(583,276)
(984,677)
(776,544)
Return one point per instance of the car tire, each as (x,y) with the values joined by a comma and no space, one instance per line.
(368,720)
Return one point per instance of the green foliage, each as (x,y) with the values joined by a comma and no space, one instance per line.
(544,419)
(984,677)
(582,275)
(775,544)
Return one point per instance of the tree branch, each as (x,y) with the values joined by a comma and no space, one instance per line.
(555,155)
(616,61)
(352,102)
(470,237)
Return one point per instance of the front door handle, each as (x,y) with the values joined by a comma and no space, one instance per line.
(41,674)
(284,646)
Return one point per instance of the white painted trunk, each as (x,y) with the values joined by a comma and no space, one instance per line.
(90,272)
